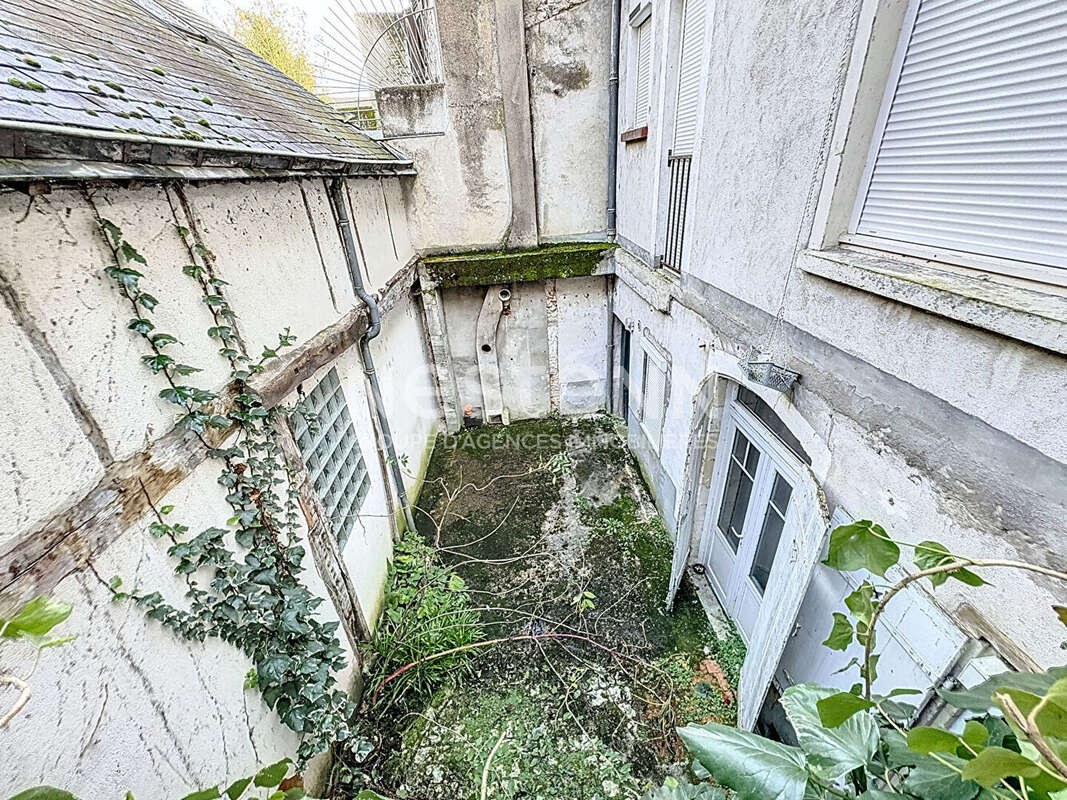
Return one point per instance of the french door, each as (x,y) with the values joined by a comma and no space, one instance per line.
(752,488)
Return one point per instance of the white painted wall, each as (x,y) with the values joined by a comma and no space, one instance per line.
(524,346)
(938,429)
(140,709)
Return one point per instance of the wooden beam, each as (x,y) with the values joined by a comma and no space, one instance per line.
(324,550)
(66,542)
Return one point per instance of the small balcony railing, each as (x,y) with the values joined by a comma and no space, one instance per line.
(677,204)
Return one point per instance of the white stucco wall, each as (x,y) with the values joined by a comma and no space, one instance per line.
(144,711)
(938,429)
(530,373)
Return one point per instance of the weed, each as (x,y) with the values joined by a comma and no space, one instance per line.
(427,611)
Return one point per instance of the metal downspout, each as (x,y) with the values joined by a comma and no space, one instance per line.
(344,227)
(613,114)
(613,160)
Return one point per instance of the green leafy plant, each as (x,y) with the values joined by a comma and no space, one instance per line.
(427,611)
(268,780)
(31,625)
(243,576)
(858,744)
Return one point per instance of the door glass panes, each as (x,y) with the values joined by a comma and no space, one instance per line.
(744,458)
(771,532)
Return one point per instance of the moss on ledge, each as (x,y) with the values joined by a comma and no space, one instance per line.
(487,267)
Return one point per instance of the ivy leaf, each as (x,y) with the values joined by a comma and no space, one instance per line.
(124,275)
(162,339)
(158,362)
(836,709)
(113,231)
(747,763)
(862,545)
(834,751)
(185,369)
(129,252)
(147,301)
(925,740)
(37,617)
(141,325)
(274,774)
(931,554)
(213,300)
(193,270)
(994,764)
(841,634)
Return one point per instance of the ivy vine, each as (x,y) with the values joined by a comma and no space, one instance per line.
(243,578)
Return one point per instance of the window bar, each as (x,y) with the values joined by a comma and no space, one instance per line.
(677,206)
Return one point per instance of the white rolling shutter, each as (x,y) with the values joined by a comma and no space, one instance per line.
(690,65)
(786,587)
(642,94)
(971,154)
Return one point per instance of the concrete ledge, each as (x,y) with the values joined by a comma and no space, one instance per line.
(1030,312)
(562,260)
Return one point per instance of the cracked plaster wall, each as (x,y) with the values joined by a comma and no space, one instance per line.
(127,705)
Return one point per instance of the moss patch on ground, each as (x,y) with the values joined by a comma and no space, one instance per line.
(550,534)
(485,268)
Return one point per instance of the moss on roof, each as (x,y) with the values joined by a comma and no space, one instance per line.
(487,267)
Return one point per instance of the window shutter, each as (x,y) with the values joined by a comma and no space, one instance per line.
(972,155)
(786,587)
(689,69)
(642,95)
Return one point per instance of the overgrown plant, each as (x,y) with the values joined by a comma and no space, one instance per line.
(859,744)
(243,577)
(427,611)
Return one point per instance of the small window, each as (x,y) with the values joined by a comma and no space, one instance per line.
(332,455)
(969,153)
(642,74)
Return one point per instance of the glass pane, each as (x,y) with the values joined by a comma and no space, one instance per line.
(771,532)
(744,459)
(766,415)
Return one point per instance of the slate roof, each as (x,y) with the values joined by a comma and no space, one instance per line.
(152,68)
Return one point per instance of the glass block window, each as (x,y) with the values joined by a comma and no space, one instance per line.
(331,451)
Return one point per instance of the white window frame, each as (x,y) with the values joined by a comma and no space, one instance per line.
(653,358)
(875,244)
(640,23)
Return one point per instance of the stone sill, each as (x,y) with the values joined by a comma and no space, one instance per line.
(1031,312)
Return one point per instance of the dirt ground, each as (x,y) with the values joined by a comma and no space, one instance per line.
(560,553)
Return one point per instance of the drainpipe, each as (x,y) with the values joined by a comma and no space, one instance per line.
(613,114)
(344,227)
